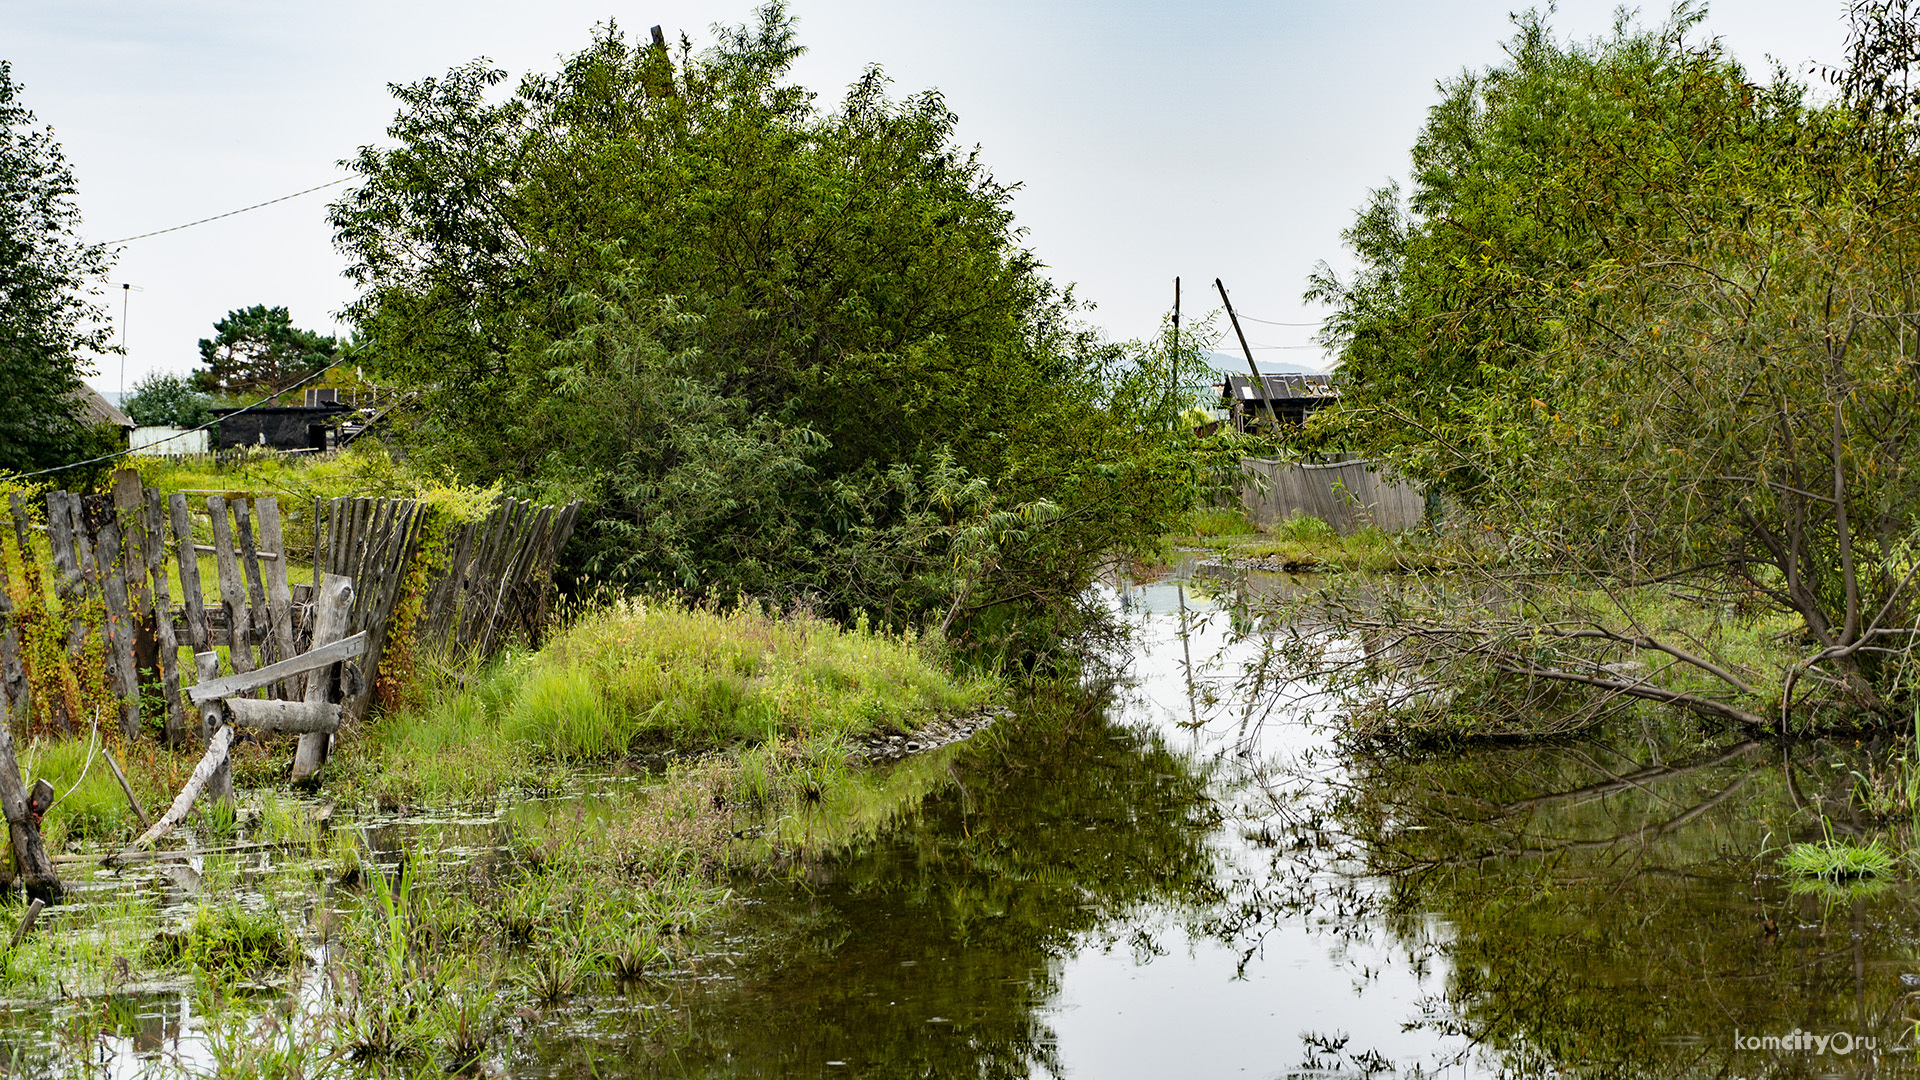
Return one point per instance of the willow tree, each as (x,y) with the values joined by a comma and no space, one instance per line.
(1667,366)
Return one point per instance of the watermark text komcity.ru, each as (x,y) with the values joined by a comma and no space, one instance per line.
(1806,1042)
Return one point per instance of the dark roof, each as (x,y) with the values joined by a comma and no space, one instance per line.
(280,410)
(1281,388)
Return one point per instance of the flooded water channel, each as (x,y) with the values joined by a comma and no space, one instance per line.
(1189,875)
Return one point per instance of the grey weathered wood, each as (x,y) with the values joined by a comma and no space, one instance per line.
(133,801)
(213,688)
(301,716)
(69,588)
(233,589)
(318,535)
(167,644)
(213,723)
(192,593)
(119,630)
(332,606)
(34,870)
(26,923)
(279,597)
(137,546)
(212,763)
(520,557)
(408,521)
(14,692)
(264,553)
(259,626)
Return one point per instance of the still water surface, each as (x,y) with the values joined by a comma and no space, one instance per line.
(1183,873)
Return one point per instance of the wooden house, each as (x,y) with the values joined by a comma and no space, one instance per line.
(1288,398)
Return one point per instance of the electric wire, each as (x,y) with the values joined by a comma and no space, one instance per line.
(228,214)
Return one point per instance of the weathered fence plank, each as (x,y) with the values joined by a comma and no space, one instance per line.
(119,629)
(298,716)
(216,686)
(279,597)
(233,590)
(332,606)
(167,645)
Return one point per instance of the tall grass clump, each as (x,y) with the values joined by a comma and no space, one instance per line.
(88,803)
(651,675)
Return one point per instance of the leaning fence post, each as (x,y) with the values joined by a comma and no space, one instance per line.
(332,604)
(220,782)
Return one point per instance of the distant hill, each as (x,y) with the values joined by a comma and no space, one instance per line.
(1235,364)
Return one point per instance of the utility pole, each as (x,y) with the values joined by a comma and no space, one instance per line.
(1258,382)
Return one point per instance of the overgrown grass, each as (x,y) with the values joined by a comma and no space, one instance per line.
(1305,543)
(790,692)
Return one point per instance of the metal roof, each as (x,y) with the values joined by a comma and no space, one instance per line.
(1281,388)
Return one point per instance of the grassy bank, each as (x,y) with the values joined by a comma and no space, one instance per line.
(630,768)
(784,696)
(1303,543)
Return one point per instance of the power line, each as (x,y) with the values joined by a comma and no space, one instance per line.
(1270,322)
(202,427)
(228,214)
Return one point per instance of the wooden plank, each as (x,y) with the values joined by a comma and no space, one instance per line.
(479,583)
(14,692)
(527,543)
(212,688)
(332,606)
(136,541)
(33,585)
(331,565)
(70,589)
(193,596)
(318,534)
(258,624)
(119,630)
(279,597)
(167,644)
(263,553)
(233,590)
(214,761)
(405,537)
(300,716)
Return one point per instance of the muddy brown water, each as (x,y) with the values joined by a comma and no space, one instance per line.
(1190,876)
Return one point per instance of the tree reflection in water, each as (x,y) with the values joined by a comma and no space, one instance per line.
(1602,907)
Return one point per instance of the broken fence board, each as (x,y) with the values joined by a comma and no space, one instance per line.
(226,686)
(210,763)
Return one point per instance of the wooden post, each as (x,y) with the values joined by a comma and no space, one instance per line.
(233,588)
(219,782)
(332,605)
(1173,360)
(14,693)
(30,861)
(259,625)
(192,594)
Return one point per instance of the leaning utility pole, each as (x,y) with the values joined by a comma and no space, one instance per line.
(1258,382)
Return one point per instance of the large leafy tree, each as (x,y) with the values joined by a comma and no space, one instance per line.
(783,350)
(49,319)
(258,349)
(1654,326)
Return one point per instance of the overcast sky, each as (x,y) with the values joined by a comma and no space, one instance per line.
(1215,139)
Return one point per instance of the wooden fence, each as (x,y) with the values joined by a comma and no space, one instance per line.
(1348,495)
(92,625)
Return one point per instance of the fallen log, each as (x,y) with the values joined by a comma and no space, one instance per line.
(215,757)
(300,716)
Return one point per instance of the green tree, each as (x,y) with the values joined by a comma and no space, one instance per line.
(776,346)
(1665,337)
(258,349)
(167,400)
(49,320)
